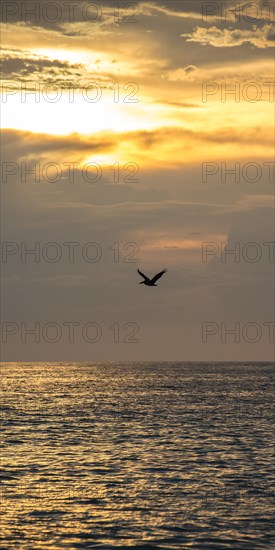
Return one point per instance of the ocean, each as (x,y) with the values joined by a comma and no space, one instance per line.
(137,455)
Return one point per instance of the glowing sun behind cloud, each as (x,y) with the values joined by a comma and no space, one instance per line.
(91,110)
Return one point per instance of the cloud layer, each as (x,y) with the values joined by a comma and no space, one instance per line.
(170,177)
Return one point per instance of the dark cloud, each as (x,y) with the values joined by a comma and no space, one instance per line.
(19,66)
(261,37)
(30,144)
(36,147)
(179,104)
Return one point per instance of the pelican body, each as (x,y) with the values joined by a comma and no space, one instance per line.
(151,282)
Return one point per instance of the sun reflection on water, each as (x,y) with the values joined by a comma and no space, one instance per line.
(127,455)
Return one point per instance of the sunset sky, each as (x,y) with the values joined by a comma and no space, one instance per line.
(141,90)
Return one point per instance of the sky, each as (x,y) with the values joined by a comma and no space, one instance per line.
(137,135)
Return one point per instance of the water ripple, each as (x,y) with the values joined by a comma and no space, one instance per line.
(161,456)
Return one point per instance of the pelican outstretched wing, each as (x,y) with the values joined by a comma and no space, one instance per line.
(144,276)
(158,276)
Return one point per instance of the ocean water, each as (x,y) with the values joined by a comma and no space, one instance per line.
(137,455)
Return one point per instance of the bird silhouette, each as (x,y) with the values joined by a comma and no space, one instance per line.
(151,282)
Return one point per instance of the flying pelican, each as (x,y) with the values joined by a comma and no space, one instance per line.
(151,282)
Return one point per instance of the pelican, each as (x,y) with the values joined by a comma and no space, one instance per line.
(151,282)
